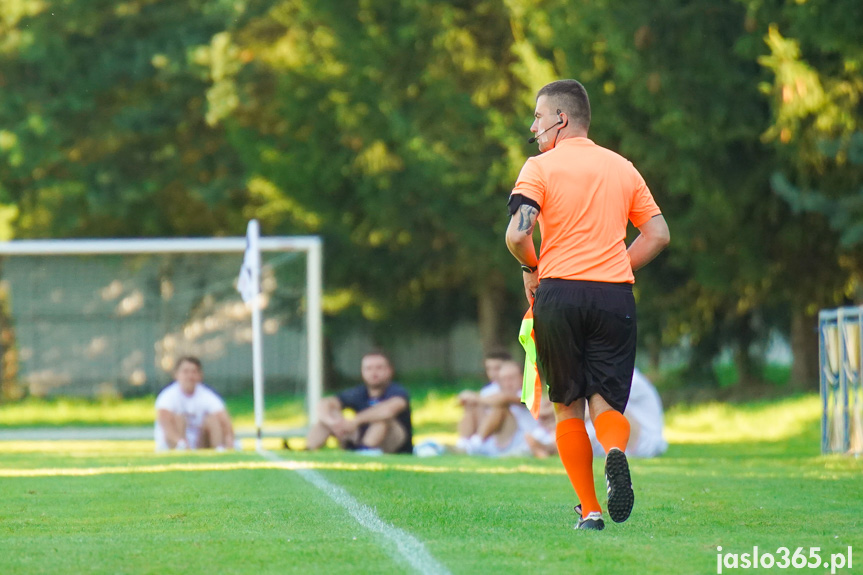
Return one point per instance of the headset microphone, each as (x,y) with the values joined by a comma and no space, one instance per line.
(533,139)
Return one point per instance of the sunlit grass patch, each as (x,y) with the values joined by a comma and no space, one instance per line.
(726,423)
(73,447)
(435,411)
(381,465)
(281,411)
(34,411)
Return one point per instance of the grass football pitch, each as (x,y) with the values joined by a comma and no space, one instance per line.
(734,476)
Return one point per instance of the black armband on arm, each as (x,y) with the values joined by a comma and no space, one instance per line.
(517,200)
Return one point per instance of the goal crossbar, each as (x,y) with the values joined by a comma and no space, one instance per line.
(155,245)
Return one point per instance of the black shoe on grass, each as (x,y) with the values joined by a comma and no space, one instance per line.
(619,484)
(592,522)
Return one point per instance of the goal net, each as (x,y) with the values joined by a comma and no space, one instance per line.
(109,318)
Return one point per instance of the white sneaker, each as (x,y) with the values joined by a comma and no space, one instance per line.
(474,445)
(461,444)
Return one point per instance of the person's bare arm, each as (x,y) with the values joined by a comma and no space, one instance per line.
(654,237)
(169,426)
(225,421)
(500,399)
(330,411)
(519,240)
(468,397)
(386,409)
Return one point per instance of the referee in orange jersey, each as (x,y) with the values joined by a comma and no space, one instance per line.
(583,195)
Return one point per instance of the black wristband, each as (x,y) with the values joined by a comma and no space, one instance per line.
(528,269)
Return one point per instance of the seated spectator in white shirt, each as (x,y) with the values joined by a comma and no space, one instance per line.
(505,423)
(190,415)
(468,399)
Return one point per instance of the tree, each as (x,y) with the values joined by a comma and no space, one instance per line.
(815,63)
(672,90)
(105,133)
(387,127)
(103,129)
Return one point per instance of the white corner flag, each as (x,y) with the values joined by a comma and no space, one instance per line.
(249,282)
(249,286)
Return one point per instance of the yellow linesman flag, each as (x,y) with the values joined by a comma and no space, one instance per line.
(531,387)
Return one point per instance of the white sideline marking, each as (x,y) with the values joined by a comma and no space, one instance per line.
(407,548)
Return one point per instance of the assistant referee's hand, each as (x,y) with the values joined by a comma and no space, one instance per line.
(531,282)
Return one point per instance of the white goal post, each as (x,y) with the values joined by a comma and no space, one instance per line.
(310,245)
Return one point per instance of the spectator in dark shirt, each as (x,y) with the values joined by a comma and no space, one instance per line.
(382,423)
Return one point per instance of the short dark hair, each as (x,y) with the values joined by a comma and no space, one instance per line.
(501,354)
(380,353)
(514,363)
(188,358)
(570,97)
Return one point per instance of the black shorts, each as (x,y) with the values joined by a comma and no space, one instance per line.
(585,339)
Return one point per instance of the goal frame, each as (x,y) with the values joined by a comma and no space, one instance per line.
(311,245)
(840,333)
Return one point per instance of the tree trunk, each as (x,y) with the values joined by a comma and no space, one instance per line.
(491,310)
(748,368)
(699,370)
(653,345)
(804,349)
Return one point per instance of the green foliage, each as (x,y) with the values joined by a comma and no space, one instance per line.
(104,133)
(673,90)
(841,207)
(393,129)
(386,128)
(816,88)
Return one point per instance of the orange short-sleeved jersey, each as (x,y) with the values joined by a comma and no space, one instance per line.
(586,195)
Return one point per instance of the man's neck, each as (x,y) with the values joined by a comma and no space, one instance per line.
(189,391)
(572,136)
(377,390)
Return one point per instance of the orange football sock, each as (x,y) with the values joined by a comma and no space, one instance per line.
(612,430)
(576,453)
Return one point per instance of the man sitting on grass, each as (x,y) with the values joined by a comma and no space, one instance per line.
(504,426)
(469,399)
(190,415)
(382,423)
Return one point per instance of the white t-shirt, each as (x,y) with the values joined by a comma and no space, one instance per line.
(195,408)
(489,389)
(645,408)
(543,435)
(525,422)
